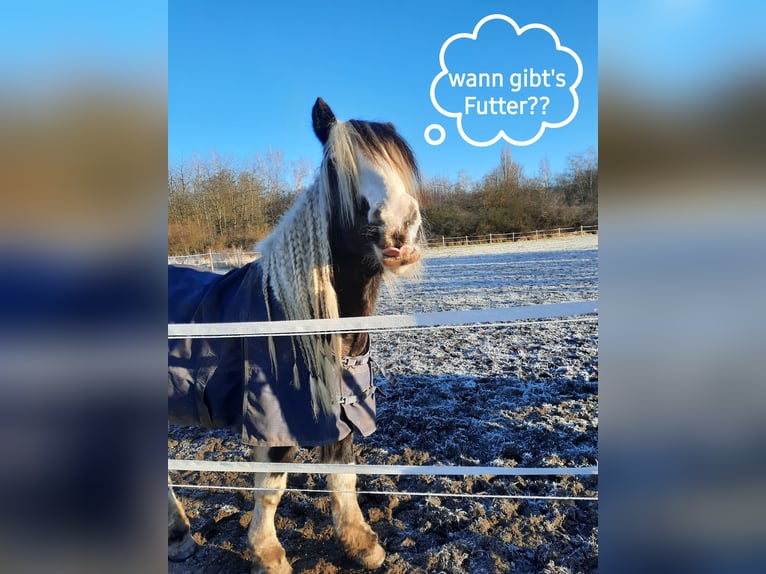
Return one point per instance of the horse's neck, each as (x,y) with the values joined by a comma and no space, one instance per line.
(357,291)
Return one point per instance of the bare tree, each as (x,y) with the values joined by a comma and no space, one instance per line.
(300,173)
(544,174)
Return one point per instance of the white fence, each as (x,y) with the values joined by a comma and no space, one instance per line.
(576,310)
(448,241)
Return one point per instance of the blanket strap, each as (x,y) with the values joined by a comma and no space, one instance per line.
(351,363)
(351,399)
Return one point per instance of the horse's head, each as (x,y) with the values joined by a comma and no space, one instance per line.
(374,182)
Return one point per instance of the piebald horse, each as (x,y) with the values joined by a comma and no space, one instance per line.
(358,225)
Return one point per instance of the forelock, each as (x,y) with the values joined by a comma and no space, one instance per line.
(381,144)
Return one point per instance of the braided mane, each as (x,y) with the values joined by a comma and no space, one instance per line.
(296,257)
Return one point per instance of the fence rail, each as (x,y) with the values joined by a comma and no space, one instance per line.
(583,310)
(489,238)
(378,323)
(379,470)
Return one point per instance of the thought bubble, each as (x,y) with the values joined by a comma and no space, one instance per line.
(502,81)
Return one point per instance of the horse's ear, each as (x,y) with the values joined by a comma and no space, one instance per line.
(323,120)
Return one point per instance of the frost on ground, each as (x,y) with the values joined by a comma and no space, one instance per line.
(522,395)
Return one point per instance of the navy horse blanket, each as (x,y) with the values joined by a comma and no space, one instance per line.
(230,382)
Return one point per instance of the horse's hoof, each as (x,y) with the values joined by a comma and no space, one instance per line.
(181,549)
(271,561)
(361,545)
(370,558)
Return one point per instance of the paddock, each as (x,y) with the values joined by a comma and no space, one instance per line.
(523,394)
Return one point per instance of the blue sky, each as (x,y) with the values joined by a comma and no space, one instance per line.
(670,51)
(45,43)
(242,76)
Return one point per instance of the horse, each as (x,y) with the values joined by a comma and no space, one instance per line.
(356,227)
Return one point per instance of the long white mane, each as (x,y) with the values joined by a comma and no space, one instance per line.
(297,266)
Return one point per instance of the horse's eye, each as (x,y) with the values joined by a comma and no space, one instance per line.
(364,205)
(375,217)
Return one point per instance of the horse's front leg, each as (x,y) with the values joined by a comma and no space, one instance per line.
(268,554)
(355,535)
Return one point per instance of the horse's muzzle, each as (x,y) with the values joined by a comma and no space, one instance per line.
(394,257)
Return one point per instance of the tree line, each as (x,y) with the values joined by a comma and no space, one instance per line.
(506,200)
(215,206)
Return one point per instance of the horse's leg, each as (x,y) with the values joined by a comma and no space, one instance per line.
(180,543)
(355,535)
(268,554)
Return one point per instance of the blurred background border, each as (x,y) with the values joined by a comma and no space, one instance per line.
(83,176)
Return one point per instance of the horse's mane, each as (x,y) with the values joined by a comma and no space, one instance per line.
(296,257)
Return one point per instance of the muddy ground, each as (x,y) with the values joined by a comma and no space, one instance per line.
(520,395)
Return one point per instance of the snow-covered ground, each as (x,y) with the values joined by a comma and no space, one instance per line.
(524,394)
